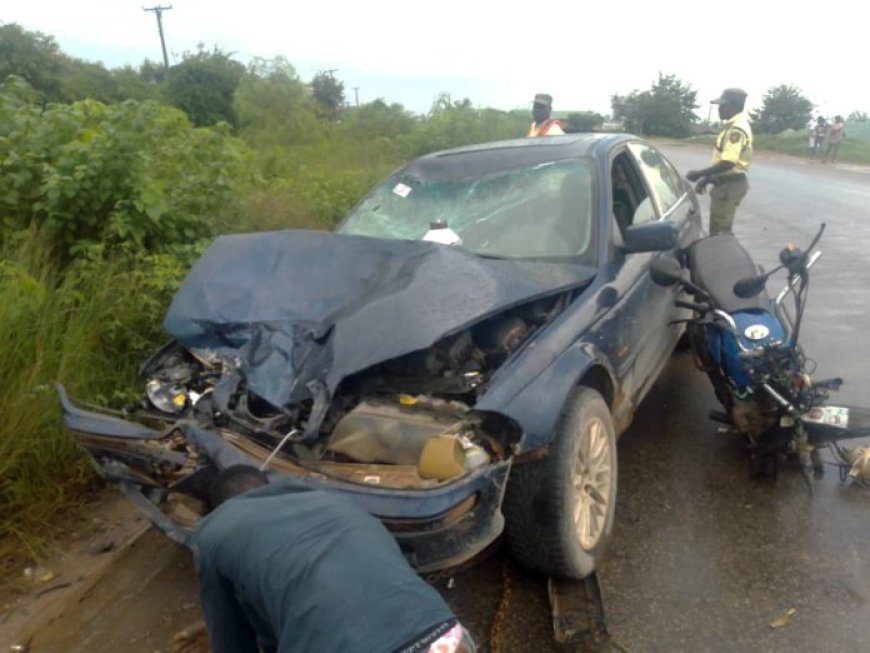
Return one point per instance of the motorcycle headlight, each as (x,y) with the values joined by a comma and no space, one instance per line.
(166,397)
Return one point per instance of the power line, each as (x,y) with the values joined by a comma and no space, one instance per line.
(158,11)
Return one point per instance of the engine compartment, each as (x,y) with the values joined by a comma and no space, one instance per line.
(414,412)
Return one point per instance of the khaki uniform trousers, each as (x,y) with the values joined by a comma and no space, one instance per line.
(725,196)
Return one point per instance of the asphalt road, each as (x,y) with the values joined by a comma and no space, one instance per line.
(703,558)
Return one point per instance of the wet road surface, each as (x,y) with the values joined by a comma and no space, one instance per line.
(702,558)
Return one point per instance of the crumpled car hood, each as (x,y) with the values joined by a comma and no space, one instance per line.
(301,310)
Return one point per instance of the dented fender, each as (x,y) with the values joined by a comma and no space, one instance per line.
(536,407)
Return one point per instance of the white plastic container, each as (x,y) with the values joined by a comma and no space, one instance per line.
(439,232)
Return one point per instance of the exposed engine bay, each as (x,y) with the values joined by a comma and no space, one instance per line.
(406,422)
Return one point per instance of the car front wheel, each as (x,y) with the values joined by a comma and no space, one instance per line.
(560,510)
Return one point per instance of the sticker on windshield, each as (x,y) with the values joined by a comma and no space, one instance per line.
(402,190)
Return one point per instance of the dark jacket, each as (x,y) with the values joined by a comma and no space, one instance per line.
(303,570)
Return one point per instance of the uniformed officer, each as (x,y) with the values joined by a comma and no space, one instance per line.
(731,158)
(542,123)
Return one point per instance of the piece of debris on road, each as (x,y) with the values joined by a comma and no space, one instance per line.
(782,620)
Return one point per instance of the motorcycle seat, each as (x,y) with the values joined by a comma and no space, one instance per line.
(716,263)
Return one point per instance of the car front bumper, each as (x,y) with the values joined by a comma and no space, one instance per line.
(436,528)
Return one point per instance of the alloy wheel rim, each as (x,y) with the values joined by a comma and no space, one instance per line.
(593,471)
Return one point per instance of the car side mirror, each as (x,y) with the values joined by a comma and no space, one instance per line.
(666,271)
(651,237)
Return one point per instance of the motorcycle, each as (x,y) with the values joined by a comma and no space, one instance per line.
(748,346)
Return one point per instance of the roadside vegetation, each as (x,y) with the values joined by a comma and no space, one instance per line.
(855,147)
(113,181)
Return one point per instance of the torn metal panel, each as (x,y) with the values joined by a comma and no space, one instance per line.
(299,310)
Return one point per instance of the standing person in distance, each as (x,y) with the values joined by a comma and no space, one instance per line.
(731,159)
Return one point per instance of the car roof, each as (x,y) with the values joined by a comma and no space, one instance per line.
(484,158)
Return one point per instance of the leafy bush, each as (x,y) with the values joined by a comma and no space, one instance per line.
(583,121)
(456,123)
(136,173)
(274,108)
(378,119)
(315,195)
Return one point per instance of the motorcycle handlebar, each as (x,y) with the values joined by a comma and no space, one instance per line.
(794,259)
(700,308)
(817,238)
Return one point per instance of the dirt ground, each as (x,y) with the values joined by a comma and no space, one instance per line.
(116,585)
(33,595)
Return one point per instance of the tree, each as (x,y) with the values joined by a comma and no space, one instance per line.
(783,107)
(202,86)
(274,107)
(859,116)
(34,57)
(377,119)
(138,84)
(328,91)
(152,72)
(583,121)
(666,109)
(83,80)
(453,123)
(57,77)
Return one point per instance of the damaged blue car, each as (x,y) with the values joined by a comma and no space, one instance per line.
(458,359)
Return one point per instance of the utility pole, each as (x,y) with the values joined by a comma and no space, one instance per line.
(356,95)
(158,11)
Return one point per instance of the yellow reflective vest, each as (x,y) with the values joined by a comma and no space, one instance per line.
(551,127)
(734,144)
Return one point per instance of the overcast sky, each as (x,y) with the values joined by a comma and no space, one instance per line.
(495,53)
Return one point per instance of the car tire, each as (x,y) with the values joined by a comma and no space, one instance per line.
(572,490)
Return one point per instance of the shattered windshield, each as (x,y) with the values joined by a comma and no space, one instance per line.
(538,211)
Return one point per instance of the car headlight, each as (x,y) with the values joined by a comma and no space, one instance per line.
(167,397)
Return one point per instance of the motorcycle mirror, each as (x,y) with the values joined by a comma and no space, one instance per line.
(750,287)
(666,271)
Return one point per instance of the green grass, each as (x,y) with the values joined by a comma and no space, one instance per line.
(87,327)
(858,132)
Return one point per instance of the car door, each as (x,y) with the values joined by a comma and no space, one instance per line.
(644,313)
(673,197)
(673,201)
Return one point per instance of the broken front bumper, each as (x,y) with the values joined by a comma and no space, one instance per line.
(436,528)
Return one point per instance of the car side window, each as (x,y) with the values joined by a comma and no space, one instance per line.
(630,199)
(662,178)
